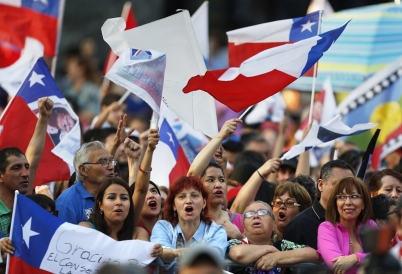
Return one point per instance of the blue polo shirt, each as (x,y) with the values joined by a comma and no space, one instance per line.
(75,204)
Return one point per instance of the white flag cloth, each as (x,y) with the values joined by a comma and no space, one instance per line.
(12,77)
(174,36)
(318,135)
(141,72)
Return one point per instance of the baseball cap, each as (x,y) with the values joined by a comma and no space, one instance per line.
(291,162)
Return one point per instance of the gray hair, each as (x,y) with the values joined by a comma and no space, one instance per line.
(82,156)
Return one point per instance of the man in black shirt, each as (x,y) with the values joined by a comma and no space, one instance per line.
(303,228)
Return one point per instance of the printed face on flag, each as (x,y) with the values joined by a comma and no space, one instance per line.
(141,72)
(19,120)
(61,122)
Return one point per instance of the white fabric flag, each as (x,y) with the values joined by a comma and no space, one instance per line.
(319,135)
(174,36)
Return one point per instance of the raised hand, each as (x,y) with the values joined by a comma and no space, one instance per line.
(270,166)
(228,128)
(132,149)
(121,133)
(153,139)
(221,157)
(45,106)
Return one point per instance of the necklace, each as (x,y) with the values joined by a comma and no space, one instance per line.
(350,240)
(315,212)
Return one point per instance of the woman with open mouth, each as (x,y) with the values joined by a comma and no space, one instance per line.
(187,222)
(289,200)
(257,247)
(348,210)
(214,179)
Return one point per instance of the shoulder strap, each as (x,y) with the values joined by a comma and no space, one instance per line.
(232,216)
(92,225)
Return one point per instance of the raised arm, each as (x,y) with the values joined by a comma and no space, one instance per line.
(36,145)
(144,175)
(303,166)
(247,193)
(104,113)
(278,149)
(121,135)
(203,158)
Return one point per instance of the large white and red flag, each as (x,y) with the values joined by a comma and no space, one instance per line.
(18,121)
(249,41)
(264,74)
(28,18)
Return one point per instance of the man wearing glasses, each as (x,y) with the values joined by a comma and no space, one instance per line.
(93,164)
(303,228)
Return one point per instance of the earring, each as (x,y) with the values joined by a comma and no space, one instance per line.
(101,212)
(202,212)
(174,214)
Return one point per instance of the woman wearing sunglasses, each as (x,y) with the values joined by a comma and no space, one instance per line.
(289,200)
(348,210)
(257,246)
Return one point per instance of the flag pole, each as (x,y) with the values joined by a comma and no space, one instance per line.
(59,28)
(245,112)
(124,97)
(12,227)
(310,115)
(154,120)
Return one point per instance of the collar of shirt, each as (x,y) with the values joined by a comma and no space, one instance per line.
(82,191)
(4,209)
(198,235)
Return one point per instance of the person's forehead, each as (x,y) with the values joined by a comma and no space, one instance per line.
(339,173)
(96,154)
(213,171)
(256,206)
(13,160)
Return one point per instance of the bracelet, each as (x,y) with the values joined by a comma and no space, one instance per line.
(143,171)
(260,175)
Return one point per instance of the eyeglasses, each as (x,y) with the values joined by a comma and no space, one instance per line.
(103,162)
(353,197)
(287,204)
(260,212)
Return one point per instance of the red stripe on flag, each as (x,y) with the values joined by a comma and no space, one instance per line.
(23,22)
(18,265)
(181,168)
(241,92)
(19,124)
(240,53)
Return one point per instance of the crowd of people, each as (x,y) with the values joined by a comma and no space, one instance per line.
(238,198)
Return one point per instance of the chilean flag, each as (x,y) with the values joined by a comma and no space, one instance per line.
(45,244)
(247,42)
(18,121)
(169,157)
(30,18)
(264,74)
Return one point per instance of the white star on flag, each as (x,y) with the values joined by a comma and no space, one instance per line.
(170,138)
(27,233)
(36,78)
(308,26)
